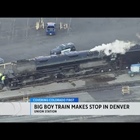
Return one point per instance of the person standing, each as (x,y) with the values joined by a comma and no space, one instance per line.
(3,79)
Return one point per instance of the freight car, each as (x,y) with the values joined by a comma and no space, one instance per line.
(131,56)
(64,65)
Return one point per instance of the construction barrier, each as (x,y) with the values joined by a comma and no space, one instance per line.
(40,24)
(125,90)
(25,99)
(63,26)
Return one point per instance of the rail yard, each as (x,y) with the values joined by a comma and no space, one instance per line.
(89,73)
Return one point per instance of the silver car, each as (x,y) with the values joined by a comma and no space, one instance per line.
(63,47)
(1,60)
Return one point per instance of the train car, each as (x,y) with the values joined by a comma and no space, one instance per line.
(53,65)
(18,71)
(124,61)
(132,56)
(24,71)
(73,61)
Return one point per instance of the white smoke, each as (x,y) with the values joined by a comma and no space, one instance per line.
(115,47)
(138,35)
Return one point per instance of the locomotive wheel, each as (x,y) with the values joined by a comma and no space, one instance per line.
(1,86)
(93,71)
(132,75)
(31,77)
(102,71)
(71,70)
(126,67)
(76,69)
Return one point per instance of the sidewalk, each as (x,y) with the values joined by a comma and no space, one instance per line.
(25,92)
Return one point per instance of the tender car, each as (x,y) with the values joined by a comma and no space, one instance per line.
(68,47)
(1,61)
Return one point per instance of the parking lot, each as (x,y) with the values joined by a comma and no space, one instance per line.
(18,29)
(20,40)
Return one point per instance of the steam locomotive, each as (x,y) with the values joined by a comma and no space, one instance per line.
(71,63)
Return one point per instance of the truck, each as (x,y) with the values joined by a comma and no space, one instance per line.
(51,28)
(134,69)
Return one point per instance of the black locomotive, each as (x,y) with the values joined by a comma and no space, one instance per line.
(58,66)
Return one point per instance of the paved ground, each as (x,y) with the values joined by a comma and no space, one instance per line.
(102,96)
(19,39)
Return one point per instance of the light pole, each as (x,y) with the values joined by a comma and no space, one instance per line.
(27,27)
(13,28)
(69,24)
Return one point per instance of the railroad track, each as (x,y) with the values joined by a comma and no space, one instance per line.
(72,78)
(98,87)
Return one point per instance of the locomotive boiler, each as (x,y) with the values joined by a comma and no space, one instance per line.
(23,71)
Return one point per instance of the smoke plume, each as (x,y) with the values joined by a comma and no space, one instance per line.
(115,47)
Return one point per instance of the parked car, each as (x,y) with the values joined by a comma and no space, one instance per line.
(1,60)
(63,48)
(50,28)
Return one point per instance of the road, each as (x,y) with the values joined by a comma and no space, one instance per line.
(100,96)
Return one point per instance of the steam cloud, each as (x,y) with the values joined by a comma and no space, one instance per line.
(115,47)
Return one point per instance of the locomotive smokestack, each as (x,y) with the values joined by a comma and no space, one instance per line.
(115,47)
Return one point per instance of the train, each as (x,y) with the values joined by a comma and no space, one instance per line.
(22,72)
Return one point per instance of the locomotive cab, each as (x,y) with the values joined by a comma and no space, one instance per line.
(113,57)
